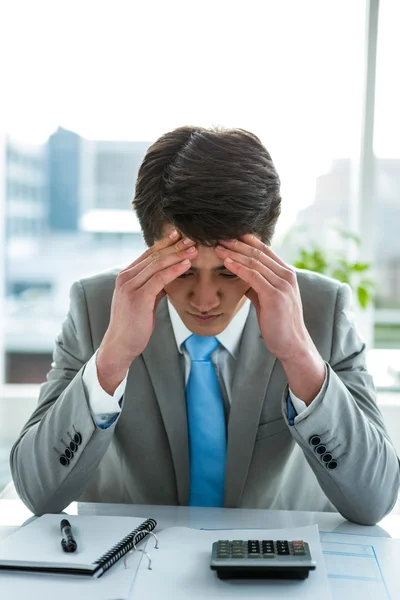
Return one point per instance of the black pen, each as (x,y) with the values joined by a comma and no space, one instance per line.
(68,542)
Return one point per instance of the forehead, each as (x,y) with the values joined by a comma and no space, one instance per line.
(207,259)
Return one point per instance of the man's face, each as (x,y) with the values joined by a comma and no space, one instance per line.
(207,296)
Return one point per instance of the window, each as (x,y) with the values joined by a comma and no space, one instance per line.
(387,151)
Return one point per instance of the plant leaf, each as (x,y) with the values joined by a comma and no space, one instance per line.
(360,266)
(363,296)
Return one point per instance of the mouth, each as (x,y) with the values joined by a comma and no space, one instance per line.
(205,319)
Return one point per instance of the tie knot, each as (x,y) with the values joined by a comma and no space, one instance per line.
(201,347)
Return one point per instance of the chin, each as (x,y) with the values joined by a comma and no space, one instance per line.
(208,330)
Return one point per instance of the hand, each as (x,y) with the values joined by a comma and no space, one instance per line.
(138,291)
(274,292)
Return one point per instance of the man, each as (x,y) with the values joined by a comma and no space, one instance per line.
(208,371)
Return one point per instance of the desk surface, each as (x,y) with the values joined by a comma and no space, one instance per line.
(13,513)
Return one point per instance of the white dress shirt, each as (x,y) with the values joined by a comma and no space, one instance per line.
(104,407)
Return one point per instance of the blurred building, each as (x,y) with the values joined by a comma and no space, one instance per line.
(26,205)
(68,215)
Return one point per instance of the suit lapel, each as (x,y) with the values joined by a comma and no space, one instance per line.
(250,382)
(162,361)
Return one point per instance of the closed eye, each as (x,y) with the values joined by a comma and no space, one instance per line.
(226,275)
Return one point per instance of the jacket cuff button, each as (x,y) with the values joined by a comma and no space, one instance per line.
(332,464)
(68,453)
(315,440)
(64,460)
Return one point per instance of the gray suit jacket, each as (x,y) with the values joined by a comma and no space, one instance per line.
(143,457)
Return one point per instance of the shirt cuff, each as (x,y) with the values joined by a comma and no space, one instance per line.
(296,406)
(105,409)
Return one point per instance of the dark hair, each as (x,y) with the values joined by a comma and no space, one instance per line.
(211,184)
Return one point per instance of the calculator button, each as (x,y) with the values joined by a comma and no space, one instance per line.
(253,547)
(282,547)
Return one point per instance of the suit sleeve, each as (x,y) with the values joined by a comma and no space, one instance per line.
(60,447)
(343,436)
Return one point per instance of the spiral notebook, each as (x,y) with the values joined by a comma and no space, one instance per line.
(102,541)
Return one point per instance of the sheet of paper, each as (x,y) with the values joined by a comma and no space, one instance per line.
(181,568)
(360,566)
(95,535)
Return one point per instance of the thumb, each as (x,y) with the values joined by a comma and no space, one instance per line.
(159,297)
(253,297)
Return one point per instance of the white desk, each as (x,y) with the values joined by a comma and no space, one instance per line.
(13,513)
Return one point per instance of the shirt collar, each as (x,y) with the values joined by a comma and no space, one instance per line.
(229,337)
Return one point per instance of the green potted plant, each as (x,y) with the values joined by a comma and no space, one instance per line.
(332,262)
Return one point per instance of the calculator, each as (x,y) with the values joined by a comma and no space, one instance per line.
(261,559)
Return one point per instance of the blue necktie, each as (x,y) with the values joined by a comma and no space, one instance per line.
(206,423)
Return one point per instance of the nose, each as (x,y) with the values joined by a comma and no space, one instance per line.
(204,297)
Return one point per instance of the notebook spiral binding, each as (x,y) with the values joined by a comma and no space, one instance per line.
(108,559)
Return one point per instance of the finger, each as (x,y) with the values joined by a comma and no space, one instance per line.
(253,247)
(254,241)
(184,248)
(251,276)
(170,241)
(253,264)
(139,275)
(152,288)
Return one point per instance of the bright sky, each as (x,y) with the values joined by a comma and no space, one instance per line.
(290,71)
